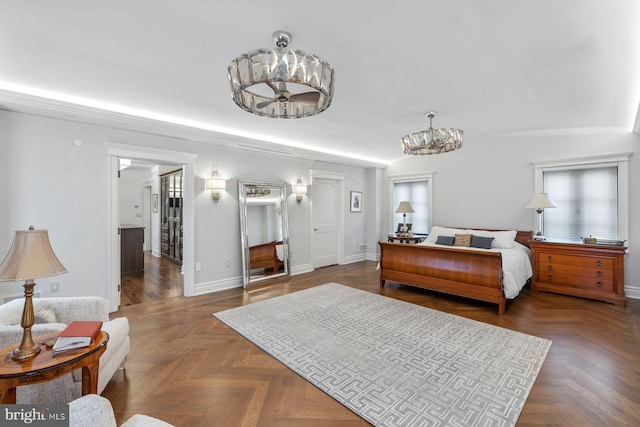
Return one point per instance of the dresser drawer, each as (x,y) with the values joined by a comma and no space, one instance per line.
(581,261)
(575,270)
(577,282)
(580,270)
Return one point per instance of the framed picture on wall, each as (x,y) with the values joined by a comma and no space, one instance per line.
(356,201)
(154,202)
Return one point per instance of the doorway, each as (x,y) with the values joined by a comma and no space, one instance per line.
(149,155)
(145,273)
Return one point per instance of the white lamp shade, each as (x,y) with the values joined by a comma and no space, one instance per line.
(540,201)
(404,207)
(30,257)
(299,188)
(215,183)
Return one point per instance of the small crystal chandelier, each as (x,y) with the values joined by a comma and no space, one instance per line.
(276,82)
(432,141)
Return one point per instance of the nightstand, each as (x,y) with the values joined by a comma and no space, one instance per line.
(588,271)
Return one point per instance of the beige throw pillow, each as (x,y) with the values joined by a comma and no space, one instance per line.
(45,315)
(462,240)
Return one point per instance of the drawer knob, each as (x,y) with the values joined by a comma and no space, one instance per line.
(599,284)
(599,263)
(549,267)
(549,277)
(599,273)
(549,258)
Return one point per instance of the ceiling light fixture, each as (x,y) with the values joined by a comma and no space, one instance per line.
(432,141)
(275,82)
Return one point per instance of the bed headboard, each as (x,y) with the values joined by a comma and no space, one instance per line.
(523,237)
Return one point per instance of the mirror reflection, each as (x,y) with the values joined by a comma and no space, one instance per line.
(264,230)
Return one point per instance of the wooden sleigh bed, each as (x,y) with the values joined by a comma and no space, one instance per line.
(265,256)
(475,274)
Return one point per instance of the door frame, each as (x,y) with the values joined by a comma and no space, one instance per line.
(114,152)
(339,178)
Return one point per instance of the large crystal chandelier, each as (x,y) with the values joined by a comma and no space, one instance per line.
(432,141)
(281,82)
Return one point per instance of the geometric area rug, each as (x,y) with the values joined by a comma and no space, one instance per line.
(395,363)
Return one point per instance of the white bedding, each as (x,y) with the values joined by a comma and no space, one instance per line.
(516,265)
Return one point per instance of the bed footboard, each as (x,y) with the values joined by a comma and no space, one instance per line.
(467,273)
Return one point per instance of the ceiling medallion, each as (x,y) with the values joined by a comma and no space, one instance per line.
(432,141)
(280,82)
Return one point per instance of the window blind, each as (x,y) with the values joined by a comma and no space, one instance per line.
(415,192)
(586,202)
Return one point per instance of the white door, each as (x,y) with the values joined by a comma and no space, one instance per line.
(325,221)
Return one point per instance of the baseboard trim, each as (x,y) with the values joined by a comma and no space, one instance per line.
(373,256)
(632,292)
(355,258)
(220,285)
(301,269)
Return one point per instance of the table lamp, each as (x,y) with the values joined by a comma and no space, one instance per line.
(404,208)
(29,258)
(540,202)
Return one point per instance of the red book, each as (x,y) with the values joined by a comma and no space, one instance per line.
(78,334)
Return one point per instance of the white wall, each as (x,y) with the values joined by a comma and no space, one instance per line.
(131,196)
(488,183)
(57,185)
(6,236)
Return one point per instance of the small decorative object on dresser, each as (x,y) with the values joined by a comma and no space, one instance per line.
(581,270)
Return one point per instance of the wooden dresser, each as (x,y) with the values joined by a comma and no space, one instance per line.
(588,271)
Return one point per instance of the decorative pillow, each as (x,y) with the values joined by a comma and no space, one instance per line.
(462,240)
(46,315)
(437,231)
(445,240)
(502,239)
(481,242)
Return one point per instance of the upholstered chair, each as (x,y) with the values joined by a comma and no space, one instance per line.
(52,316)
(96,411)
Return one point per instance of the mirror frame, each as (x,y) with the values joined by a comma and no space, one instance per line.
(242,202)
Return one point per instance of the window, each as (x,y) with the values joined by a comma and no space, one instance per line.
(416,190)
(590,195)
(586,203)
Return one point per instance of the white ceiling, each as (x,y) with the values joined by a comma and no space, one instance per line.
(488,67)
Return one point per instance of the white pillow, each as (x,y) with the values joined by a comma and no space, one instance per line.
(501,239)
(442,231)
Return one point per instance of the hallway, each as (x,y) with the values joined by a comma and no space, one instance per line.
(160,279)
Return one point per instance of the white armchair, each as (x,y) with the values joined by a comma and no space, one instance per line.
(53,315)
(96,411)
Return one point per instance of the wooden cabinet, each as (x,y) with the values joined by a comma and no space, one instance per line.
(131,249)
(588,271)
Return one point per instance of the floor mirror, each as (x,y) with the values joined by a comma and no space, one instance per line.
(264,230)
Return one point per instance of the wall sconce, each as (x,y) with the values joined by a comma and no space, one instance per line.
(216,185)
(299,189)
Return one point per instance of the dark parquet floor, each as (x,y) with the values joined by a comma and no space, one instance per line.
(189,369)
(160,279)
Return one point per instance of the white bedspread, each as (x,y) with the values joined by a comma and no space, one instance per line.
(516,266)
